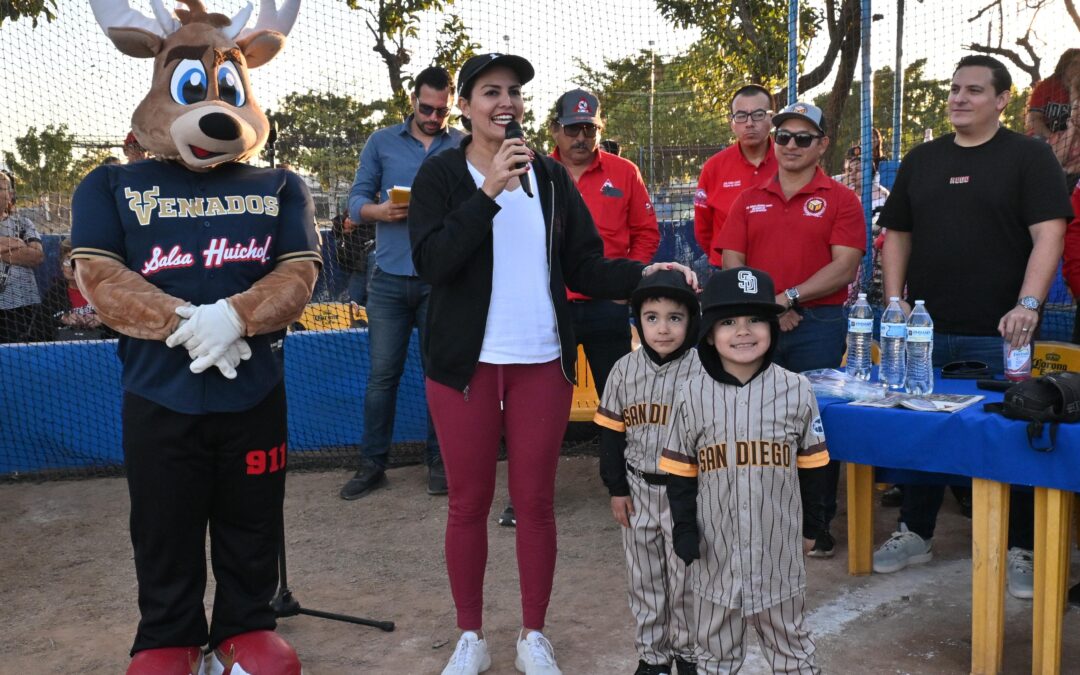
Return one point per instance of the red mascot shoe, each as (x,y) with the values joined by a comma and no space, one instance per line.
(168,661)
(260,652)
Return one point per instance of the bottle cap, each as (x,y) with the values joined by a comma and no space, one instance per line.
(862,296)
(920,302)
(894,298)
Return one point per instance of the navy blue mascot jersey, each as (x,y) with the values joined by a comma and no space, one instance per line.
(198,236)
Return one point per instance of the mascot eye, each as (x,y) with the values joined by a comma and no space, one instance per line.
(188,82)
(230,85)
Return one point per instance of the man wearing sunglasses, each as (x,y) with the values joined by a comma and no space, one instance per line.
(808,232)
(397,298)
(741,165)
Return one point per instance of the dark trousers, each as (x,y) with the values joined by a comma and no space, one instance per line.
(602,328)
(185,472)
(921,504)
(817,342)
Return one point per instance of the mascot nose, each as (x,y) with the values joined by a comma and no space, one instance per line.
(220,126)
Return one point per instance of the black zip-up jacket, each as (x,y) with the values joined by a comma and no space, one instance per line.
(450,227)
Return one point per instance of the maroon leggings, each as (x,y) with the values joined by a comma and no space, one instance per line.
(529,405)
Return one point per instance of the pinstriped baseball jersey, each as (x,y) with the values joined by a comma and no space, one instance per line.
(744,445)
(637,401)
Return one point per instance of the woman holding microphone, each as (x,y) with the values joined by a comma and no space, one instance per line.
(500,350)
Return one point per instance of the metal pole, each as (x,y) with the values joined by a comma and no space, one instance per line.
(652,101)
(898,82)
(793,51)
(866,113)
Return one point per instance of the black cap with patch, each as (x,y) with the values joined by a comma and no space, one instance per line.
(478,64)
(741,291)
(670,284)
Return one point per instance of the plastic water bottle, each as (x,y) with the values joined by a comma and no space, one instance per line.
(859,337)
(893,345)
(920,351)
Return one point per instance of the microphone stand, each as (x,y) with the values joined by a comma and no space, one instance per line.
(284,604)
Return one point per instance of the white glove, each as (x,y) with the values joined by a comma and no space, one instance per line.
(207,333)
(234,354)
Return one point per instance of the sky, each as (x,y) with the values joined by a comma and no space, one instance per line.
(67,71)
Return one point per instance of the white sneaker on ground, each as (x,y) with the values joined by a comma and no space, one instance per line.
(902,549)
(1021,573)
(470,657)
(535,655)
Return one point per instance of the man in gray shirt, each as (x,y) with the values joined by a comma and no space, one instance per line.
(397,297)
(20,253)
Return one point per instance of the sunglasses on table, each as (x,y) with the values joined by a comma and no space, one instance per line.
(802,139)
(756,115)
(572,130)
(427,110)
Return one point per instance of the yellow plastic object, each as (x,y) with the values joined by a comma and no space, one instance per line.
(583,404)
(1053,356)
(331,316)
(875,354)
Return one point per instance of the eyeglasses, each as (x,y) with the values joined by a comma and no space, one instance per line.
(572,130)
(802,139)
(756,115)
(427,110)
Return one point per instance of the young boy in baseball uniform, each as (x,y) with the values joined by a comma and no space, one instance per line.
(738,432)
(633,414)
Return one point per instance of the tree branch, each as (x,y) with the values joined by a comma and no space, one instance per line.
(1012,55)
(1072,13)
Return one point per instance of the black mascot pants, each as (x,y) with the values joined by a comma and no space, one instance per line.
(184,472)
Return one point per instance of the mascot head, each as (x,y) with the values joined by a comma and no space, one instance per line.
(200,110)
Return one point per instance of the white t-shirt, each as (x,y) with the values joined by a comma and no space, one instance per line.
(521,317)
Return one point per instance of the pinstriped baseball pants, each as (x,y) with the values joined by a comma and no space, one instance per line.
(787,645)
(660,599)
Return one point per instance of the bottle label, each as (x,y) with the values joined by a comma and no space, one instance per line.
(1018,363)
(894,330)
(920,333)
(860,325)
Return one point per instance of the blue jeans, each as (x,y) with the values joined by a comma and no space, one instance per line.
(921,504)
(395,305)
(817,342)
(602,327)
(358,281)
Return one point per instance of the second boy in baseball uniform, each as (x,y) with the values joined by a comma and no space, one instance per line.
(738,433)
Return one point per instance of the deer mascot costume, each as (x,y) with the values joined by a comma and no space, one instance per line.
(200,261)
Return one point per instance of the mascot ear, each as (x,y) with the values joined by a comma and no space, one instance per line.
(261,46)
(136,42)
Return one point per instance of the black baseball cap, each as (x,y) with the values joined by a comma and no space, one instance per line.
(664,284)
(481,62)
(737,292)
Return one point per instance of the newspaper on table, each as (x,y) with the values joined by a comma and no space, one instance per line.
(930,402)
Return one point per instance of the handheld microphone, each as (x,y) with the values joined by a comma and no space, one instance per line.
(513,130)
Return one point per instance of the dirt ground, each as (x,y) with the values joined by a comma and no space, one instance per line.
(67,593)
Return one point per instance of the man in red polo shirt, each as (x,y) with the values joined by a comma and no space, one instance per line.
(808,232)
(620,207)
(743,164)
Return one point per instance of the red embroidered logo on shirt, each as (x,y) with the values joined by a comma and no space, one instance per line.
(815,206)
(701,198)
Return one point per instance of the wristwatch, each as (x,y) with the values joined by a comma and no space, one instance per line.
(1029,302)
(792,297)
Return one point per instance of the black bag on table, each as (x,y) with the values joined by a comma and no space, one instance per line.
(1050,399)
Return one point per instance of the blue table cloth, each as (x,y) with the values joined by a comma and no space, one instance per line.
(970,442)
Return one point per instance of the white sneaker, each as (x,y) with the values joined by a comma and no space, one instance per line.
(1021,573)
(470,656)
(902,549)
(535,655)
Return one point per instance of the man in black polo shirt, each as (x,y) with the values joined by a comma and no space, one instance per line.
(976,221)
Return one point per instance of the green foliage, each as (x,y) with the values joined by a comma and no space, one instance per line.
(323,133)
(453,46)
(741,41)
(925,106)
(686,128)
(45,162)
(32,9)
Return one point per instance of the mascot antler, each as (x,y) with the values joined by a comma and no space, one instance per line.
(200,109)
